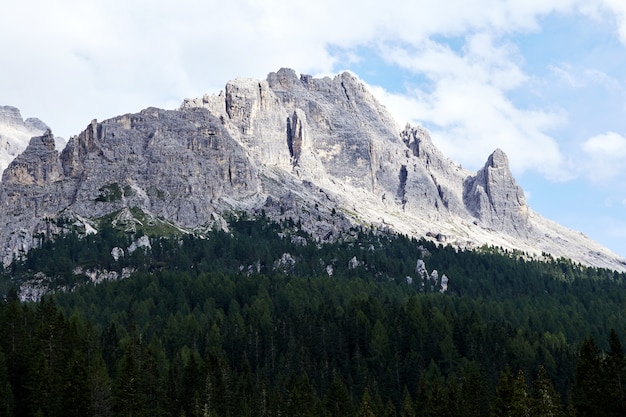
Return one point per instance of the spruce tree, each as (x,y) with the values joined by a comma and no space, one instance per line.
(407,409)
(614,377)
(588,391)
(546,402)
(6,391)
(502,404)
(366,408)
(337,401)
(521,401)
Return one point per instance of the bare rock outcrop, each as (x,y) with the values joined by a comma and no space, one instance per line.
(15,133)
(321,151)
(495,199)
(437,176)
(38,166)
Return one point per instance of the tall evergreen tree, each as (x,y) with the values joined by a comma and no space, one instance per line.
(6,391)
(473,393)
(502,405)
(302,400)
(129,399)
(407,409)
(77,399)
(521,402)
(366,409)
(588,391)
(100,387)
(614,376)
(337,400)
(546,401)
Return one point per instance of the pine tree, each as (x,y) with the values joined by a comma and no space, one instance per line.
(588,391)
(472,401)
(366,408)
(76,390)
(100,388)
(521,400)
(614,377)
(435,401)
(6,391)
(502,405)
(128,396)
(407,409)
(337,401)
(546,401)
(302,400)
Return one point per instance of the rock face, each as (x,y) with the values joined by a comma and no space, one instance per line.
(493,197)
(15,133)
(322,151)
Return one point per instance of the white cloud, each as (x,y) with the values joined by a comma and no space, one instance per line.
(608,144)
(467,108)
(606,156)
(617,12)
(102,57)
(578,78)
(565,74)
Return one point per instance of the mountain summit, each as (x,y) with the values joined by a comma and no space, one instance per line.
(15,133)
(323,151)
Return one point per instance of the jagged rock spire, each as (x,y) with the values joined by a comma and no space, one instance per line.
(37,165)
(495,198)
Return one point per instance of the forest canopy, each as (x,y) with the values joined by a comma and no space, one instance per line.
(263,320)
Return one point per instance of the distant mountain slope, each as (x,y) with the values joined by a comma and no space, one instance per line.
(15,134)
(322,151)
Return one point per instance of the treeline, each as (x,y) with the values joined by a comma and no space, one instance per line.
(302,351)
(217,326)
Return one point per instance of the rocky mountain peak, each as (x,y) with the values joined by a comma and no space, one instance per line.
(498,160)
(15,133)
(323,151)
(37,165)
(36,124)
(284,79)
(496,199)
(10,116)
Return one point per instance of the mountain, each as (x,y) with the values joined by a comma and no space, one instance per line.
(15,133)
(323,151)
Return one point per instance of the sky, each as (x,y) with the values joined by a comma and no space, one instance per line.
(544,80)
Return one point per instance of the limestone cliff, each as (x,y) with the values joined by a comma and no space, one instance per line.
(15,133)
(320,150)
(495,199)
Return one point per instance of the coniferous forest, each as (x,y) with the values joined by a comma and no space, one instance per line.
(264,321)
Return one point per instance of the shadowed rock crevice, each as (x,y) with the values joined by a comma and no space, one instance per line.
(294,137)
(401,193)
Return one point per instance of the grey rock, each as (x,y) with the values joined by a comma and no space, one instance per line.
(117,253)
(35,124)
(38,166)
(15,133)
(493,196)
(142,243)
(322,151)
(285,264)
(11,116)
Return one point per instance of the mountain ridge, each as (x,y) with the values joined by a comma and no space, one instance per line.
(15,133)
(321,150)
